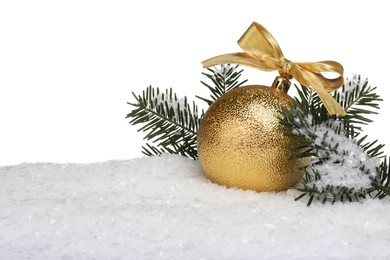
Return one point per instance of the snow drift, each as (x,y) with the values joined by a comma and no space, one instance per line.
(164,207)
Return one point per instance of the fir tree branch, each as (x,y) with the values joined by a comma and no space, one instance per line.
(224,78)
(381,184)
(161,116)
(169,122)
(359,100)
(324,138)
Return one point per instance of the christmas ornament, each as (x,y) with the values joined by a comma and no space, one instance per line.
(242,144)
(240,141)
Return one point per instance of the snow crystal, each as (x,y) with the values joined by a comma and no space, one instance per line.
(165,208)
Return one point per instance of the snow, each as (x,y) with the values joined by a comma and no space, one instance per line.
(171,103)
(347,164)
(165,208)
(222,70)
(352,84)
(354,168)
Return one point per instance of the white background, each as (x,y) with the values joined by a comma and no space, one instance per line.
(67,68)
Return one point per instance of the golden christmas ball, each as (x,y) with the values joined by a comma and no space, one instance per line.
(242,144)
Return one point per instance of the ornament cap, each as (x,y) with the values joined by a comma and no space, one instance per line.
(281,84)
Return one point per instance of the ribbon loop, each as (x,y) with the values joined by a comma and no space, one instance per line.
(262,51)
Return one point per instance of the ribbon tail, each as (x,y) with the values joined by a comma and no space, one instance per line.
(239,58)
(329,102)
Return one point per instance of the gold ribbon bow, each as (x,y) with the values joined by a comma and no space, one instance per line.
(263,52)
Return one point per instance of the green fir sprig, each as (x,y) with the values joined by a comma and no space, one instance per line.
(359,100)
(224,78)
(331,141)
(171,124)
(381,184)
